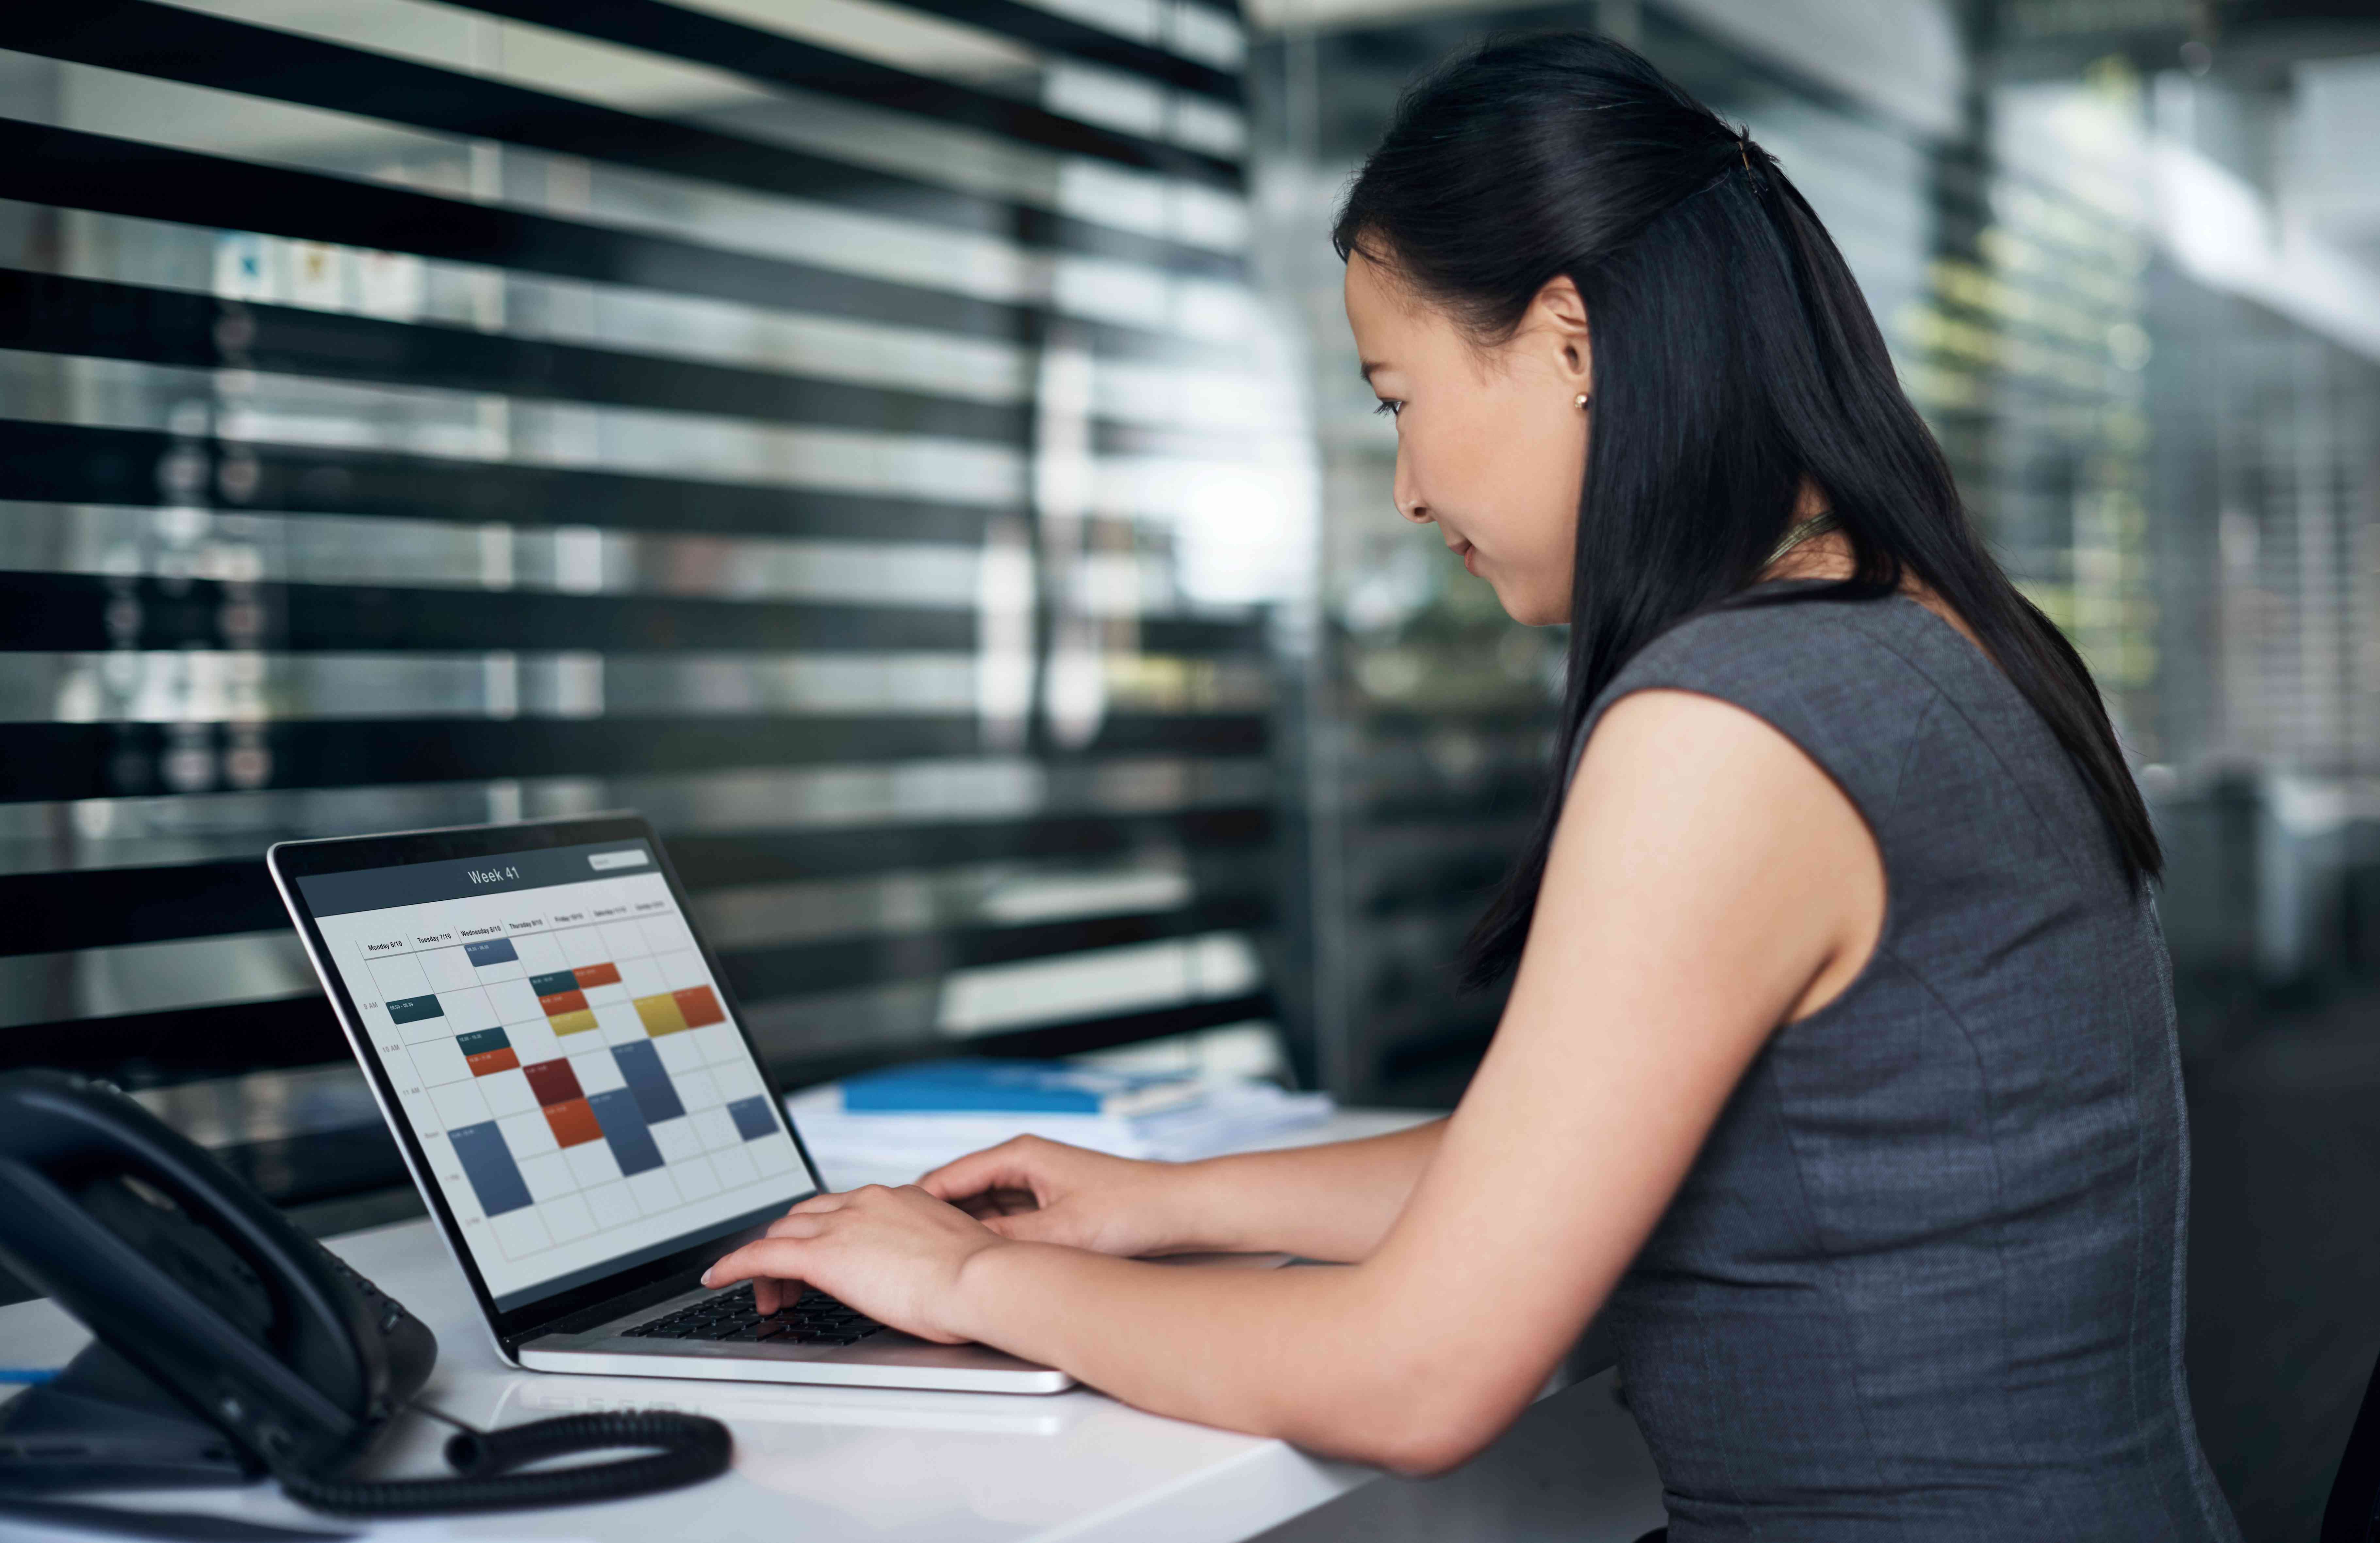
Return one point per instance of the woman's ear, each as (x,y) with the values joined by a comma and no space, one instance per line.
(1560,314)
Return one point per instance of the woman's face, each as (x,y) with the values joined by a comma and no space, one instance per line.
(1491,443)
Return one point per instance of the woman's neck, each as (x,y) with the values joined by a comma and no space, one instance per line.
(1822,556)
(1829,556)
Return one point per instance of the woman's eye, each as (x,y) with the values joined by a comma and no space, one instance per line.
(1387,409)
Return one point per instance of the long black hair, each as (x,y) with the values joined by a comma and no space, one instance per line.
(1734,357)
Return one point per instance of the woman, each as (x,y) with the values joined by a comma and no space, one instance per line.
(1838,1069)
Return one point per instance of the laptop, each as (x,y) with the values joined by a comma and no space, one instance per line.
(577,1098)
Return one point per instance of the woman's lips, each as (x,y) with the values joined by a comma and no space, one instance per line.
(1466,550)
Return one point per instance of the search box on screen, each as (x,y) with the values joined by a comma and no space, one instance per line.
(633,859)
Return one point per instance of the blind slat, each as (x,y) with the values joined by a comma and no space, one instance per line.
(101,761)
(46,612)
(109,907)
(50,313)
(183,1044)
(1072,1036)
(86,464)
(713,861)
(764,55)
(102,908)
(75,169)
(67,612)
(842,964)
(1062,34)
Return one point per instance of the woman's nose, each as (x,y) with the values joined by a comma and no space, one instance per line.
(1409,501)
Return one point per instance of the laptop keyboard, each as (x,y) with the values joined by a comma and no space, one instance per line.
(814,1318)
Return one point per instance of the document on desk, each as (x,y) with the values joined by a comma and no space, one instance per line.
(870,1147)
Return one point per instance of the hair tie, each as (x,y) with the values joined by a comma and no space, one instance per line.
(1743,148)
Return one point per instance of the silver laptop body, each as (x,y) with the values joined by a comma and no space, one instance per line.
(574,1094)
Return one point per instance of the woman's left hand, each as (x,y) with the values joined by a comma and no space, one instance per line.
(894,1254)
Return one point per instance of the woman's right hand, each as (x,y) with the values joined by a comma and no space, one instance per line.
(1039,1191)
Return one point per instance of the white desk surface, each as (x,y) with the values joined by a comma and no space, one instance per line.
(812,1463)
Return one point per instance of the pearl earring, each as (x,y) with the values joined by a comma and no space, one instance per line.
(1580,401)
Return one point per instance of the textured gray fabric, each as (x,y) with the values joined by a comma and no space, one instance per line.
(1924,1279)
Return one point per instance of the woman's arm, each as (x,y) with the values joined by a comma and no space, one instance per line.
(1708,882)
(1328,1202)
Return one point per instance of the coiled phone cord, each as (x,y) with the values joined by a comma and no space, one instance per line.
(689,1449)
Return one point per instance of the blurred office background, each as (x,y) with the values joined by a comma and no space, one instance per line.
(912,451)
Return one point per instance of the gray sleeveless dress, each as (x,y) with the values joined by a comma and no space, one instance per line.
(1925,1281)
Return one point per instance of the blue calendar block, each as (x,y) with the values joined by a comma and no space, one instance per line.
(623,1127)
(752,1118)
(488,1163)
(649,1081)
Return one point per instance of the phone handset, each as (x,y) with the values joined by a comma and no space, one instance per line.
(206,1291)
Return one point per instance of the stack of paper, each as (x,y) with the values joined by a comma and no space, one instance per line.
(888,1127)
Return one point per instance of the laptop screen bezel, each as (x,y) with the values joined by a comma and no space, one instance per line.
(290,861)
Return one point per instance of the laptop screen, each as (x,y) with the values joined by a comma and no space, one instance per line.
(568,1064)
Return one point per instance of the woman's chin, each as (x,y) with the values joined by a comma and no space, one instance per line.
(1534,610)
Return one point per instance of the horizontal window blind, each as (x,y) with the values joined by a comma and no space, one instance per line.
(816,427)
